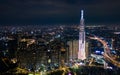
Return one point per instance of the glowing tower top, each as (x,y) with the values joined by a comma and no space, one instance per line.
(82,27)
(81,14)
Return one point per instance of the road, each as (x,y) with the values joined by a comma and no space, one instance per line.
(107,54)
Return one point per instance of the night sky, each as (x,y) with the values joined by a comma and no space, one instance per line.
(59,11)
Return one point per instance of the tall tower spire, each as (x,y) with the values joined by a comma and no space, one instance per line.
(81,14)
(81,52)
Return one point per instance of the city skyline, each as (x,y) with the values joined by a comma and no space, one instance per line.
(59,12)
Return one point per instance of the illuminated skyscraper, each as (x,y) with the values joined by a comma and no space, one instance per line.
(81,52)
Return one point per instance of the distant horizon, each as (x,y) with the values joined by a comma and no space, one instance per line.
(55,24)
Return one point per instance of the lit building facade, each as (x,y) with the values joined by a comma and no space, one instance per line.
(73,49)
(81,51)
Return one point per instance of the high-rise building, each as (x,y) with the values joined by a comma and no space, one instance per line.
(81,52)
(73,49)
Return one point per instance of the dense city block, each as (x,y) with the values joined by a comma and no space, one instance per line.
(48,49)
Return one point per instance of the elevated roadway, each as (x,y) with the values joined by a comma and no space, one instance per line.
(107,55)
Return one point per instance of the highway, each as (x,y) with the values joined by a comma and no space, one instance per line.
(107,54)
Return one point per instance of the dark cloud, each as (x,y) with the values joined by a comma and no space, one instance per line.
(59,11)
